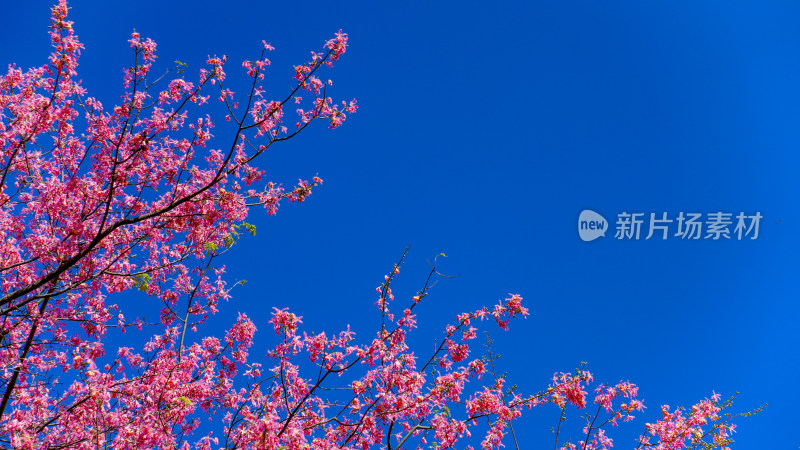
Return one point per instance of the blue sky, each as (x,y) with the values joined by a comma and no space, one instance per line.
(484,129)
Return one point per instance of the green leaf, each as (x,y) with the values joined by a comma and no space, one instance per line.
(211,248)
(142,281)
(250,228)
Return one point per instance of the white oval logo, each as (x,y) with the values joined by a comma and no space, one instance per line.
(591,225)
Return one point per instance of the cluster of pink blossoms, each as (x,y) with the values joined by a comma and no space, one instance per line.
(95,201)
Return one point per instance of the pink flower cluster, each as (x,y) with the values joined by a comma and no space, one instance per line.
(678,431)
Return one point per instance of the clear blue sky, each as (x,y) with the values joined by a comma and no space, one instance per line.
(484,129)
